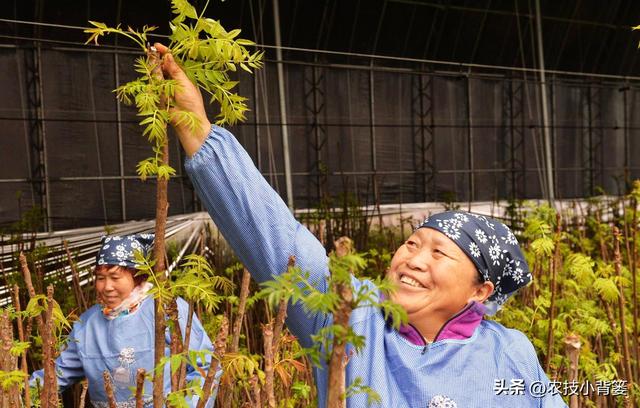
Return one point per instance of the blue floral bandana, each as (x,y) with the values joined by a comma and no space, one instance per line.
(492,248)
(120,249)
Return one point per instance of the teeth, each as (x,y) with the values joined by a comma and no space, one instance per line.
(410,281)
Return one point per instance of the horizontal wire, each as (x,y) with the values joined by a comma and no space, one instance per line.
(352,54)
(463,125)
(575,169)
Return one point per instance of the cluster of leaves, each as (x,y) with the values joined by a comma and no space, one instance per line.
(590,289)
(586,278)
(295,286)
(181,398)
(207,53)
(194,280)
(36,307)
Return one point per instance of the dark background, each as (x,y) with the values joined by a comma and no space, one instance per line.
(388,102)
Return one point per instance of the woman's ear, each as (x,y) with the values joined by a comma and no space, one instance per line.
(483,291)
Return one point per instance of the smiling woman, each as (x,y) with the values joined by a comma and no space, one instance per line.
(454,269)
(114,284)
(435,280)
(117,334)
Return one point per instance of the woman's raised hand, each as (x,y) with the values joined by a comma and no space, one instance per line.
(187,98)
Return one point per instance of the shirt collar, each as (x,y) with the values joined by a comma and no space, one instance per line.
(459,327)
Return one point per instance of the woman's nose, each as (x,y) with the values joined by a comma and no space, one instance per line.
(419,261)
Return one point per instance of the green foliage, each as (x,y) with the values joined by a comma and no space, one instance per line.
(586,304)
(358,387)
(294,287)
(241,367)
(19,347)
(61,324)
(301,389)
(580,267)
(607,289)
(9,379)
(636,28)
(207,53)
(182,398)
(194,280)
(30,221)
(587,287)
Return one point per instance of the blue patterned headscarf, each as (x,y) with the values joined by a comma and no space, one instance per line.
(120,249)
(492,248)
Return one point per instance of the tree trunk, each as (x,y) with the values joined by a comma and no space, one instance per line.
(9,396)
(140,373)
(176,341)
(555,261)
(281,315)
(267,333)
(182,371)
(221,347)
(50,399)
(83,393)
(634,277)
(621,309)
(75,279)
(242,304)
(572,343)
(337,377)
(21,337)
(26,274)
(108,388)
(159,253)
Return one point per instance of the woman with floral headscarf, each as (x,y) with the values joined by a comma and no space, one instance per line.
(451,271)
(117,334)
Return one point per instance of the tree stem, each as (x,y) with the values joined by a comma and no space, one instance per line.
(159,252)
(554,272)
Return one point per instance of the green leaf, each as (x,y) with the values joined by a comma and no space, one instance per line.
(607,289)
(233,33)
(183,8)
(147,167)
(543,246)
(19,347)
(12,378)
(165,171)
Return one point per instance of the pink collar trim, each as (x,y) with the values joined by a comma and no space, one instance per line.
(459,327)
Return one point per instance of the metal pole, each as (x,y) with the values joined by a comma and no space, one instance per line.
(96,136)
(24,122)
(431,145)
(590,164)
(116,70)
(545,114)
(553,129)
(472,187)
(40,118)
(123,199)
(419,137)
(283,107)
(625,130)
(372,128)
(256,113)
(319,143)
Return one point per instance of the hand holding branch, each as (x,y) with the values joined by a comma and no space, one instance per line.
(187,98)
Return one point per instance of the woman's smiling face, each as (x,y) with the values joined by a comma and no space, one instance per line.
(113,285)
(435,279)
